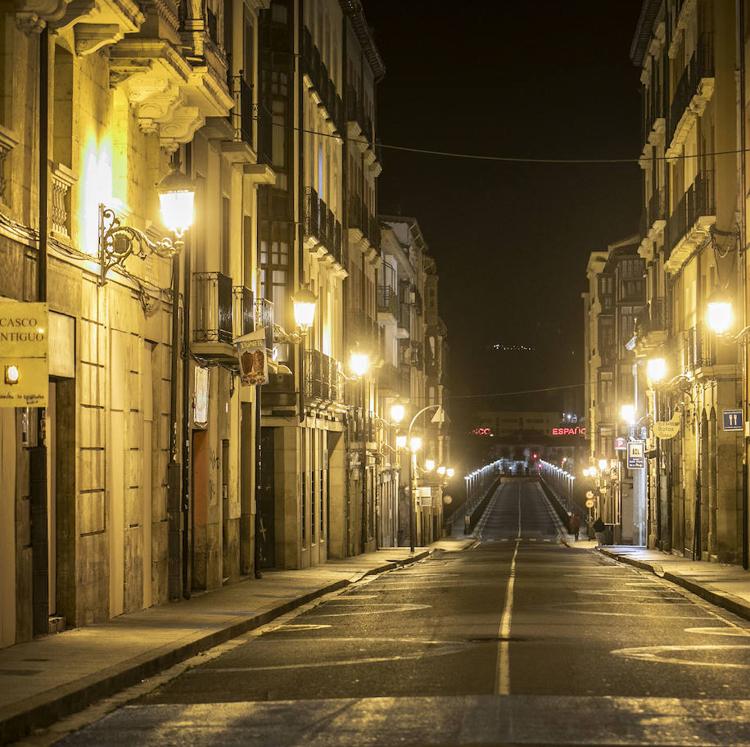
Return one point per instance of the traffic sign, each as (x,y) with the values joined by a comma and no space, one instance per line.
(589,503)
(621,443)
(732,420)
(589,494)
(636,455)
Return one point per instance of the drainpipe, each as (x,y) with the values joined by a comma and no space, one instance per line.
(740,25)
(187,529)
(38,453)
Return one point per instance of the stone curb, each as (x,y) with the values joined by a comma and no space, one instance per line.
(722,599)
(38,711)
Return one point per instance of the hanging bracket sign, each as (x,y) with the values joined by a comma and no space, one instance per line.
(24,359)
(666,429)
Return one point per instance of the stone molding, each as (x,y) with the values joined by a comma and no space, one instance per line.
(8,141)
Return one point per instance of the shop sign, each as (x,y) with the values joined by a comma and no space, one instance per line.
(24,354)
(424,497)
(636,455)
(666,429)
(200,397)
(253,355)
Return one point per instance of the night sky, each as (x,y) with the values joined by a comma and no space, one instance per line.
(537,79)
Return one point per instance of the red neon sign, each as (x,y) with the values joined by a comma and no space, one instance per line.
(483,432)
(577,431)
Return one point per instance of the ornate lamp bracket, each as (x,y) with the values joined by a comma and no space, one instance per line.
(118,242)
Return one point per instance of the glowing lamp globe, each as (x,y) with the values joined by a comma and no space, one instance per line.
(720,316)
(627,414)
(441,470)
(429,465)
(602,465)
(401,442)
(304,301)
(177,202)
(415,444)
(398,412)
(359,363)
(450,472)
(656,369)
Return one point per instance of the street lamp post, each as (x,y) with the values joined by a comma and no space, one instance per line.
(413,475)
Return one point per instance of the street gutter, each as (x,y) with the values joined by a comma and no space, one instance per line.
(21,718)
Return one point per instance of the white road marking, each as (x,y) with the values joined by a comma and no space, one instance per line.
(389,608)
(660,654)
(441,648)
(711,630)
(503,668)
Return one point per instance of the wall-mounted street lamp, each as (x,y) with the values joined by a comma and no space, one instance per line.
(656,370)
(398,412)
(720,315)
(118,242)
(359,363)
(627,414)
(12,374)
(304,302)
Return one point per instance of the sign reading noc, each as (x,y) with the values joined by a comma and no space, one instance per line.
(577,431)
(24,363)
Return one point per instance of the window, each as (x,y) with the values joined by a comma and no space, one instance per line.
(62,146)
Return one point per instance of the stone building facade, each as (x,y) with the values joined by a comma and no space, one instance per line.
(154,469)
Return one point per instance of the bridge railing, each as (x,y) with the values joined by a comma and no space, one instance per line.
(479,484)
(561,484)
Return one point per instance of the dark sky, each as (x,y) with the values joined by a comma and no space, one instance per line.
(548,78)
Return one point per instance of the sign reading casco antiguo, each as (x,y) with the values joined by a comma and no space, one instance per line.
(24,361)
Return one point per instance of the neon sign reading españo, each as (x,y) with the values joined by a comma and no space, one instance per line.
(567,431)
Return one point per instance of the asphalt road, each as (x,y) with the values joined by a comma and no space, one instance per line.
(520,640)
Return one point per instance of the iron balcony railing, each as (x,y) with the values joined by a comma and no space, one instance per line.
(264,151)
(355,112)
(243,113)
(244,310)
(321,79)
(696,202)
(264,319)
(656,206)
(388,300)
(321,224)
(698,348)
(361,218)
(700,65)
(323,377)
(404,316)
(213,307)
(652,105)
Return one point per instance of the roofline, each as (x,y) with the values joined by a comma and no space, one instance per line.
(356,13)
(643,31)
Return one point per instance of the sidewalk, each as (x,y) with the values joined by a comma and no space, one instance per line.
(726,586)
(51,677)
